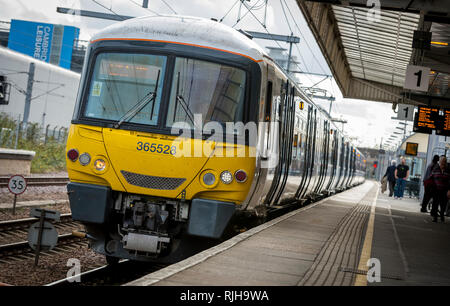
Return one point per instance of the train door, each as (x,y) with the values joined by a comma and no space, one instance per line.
(305,154)
(281,119)
(341,163)
(324,157)
(311,177)
(352,160)
(333,160)
(346,164)
(288,129)
(352,174)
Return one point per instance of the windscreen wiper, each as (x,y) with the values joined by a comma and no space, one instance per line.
(149,97)
(179,99)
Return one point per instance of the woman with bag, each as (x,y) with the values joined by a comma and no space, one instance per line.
(428,184)
(441,179)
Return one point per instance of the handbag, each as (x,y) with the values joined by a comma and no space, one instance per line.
(383,184)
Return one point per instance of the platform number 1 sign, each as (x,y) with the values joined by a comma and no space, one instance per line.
(405,112)
(417,78)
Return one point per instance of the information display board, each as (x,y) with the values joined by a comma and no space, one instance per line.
(428,119)
(445,131)
(411,148)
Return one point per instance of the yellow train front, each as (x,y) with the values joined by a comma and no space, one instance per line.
(140,181)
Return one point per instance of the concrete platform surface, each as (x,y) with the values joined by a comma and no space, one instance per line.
(325,243)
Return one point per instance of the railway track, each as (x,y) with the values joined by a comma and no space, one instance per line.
(111,275)
(38,181)
(17,230)
(21,250)
(20,224)
(13,235)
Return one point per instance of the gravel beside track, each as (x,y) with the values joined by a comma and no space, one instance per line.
(52,267)
(24,212)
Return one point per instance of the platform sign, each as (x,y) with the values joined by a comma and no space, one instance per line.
(405,112)
(417,78)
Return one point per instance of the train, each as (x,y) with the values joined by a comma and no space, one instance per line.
(182,124)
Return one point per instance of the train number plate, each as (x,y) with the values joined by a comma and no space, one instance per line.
(156,148)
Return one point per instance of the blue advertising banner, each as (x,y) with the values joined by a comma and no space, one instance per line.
(47,42)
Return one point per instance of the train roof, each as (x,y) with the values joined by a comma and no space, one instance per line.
(191,31)
(185,30)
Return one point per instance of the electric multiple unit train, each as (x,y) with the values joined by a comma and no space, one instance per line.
(150,87)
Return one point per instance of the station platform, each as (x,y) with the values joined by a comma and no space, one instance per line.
(326,243)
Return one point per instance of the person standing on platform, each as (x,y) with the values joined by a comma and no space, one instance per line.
(428,184)
(401,175)
(390,174)
(441,178)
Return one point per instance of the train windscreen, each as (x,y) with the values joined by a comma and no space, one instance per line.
(126,84)
(213,90)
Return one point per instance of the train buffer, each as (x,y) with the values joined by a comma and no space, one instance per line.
(358,237)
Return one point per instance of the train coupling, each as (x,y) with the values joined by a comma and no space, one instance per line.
(83,235)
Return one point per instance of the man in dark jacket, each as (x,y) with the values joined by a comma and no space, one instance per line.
(428,193)
(441,178)
(390,173)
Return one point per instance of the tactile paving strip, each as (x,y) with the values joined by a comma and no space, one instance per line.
(342,248)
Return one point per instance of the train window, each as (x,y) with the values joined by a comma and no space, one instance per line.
(213,90)
(268,101)
(300,145)
(295,145)
(121,81)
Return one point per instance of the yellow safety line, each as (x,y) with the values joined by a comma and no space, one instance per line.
(361,280)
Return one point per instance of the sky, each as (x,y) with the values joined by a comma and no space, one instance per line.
(369,123)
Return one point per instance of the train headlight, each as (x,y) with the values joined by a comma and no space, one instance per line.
(84,159)
(99,165)
(209,179)
(226,177)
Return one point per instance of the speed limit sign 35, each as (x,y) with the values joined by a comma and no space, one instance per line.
(17,184)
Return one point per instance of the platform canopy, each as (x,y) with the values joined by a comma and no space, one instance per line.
(368,51)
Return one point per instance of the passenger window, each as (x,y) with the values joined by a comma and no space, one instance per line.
(268,102)
(268,111)
(295,145)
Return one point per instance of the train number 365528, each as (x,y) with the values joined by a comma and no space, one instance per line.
(156,148)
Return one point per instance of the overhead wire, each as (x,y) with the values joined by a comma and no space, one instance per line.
(169,7)
(107,8)
(226,14)
(256,18)
(301,34)
(248,11)
(145,8)
(296,45)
